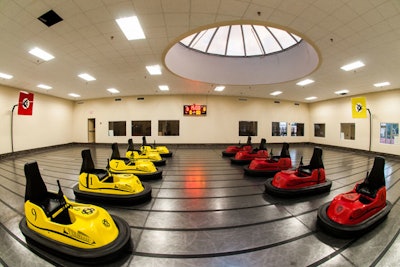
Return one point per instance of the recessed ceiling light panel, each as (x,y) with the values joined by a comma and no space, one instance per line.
(5,76)
(113,90)
(41,54)
(310,98)
(382,84)
(163,87)
(86,77)
(219,88)
(353,66)
(305,82)
(342,92)
(74,95)
(44,86)
(154,69)
(276,93)
(130,26)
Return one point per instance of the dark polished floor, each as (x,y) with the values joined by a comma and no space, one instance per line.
(205,212)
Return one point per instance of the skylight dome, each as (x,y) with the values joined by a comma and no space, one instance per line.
(238,53)
(241,40)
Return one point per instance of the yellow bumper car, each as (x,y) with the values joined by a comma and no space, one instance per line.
(134,155)
(77,232)
(143,169)
(163,150)
(101,186)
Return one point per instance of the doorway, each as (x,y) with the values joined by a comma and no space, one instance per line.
(91,130)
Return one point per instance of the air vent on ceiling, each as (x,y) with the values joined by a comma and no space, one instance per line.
(242,99)
(140,98)
(50,18)
(117,99)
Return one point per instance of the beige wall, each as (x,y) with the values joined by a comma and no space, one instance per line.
(384,107)
(220,125)
(57,121)
(50,124)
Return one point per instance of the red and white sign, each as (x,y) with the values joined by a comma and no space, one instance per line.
(25,103)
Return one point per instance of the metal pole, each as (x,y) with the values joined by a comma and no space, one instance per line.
(12,128)
(370,129)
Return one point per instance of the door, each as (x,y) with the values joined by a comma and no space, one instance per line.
(91,130)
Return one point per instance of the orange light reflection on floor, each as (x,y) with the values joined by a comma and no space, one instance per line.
(195,184)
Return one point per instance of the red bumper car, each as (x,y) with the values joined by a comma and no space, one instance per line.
(305,180)
(358,211)
(231,151)
(269,167)
(245,157)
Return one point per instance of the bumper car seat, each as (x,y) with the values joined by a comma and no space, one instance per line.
(305,180)
(245,157)
(163,150)
(145,170)
(134,155)
(358,211)
(82,233)
(231,151)
(269,167)
(102,186)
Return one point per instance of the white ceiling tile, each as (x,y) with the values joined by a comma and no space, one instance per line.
(148,6)
(88,5)
(88,39)
(175,6)
(233,8)
(99,14)
(176,19)
(204,6)
(372,17)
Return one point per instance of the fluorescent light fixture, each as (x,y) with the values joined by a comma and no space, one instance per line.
(310,98)
(304,82)
(154,69)
(219,88)
(44,86)
(5,76)
(113,90)
(382,84)
(276,93)
(130,26)
(342,92)
(74,95)
(163,87)
(87,77)
(41,54)
(353,66)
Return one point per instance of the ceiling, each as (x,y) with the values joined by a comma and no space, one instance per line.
(89,40)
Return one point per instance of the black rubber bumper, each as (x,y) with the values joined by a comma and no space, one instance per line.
(228,154)
(259,173)
(346,231)
(48,248)
(306,191)
(166,155)
(131,199)
(159,162)
(240,161)
(149,176)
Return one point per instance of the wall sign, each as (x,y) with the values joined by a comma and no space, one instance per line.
(195,110)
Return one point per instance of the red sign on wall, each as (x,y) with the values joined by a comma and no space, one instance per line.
(25,103)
